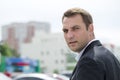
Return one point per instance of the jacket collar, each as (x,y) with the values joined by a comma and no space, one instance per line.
(91,45)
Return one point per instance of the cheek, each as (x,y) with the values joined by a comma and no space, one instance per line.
(81,36)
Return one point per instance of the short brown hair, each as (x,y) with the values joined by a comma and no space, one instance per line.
(87,18)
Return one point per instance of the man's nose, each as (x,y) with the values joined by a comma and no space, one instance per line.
(70,34)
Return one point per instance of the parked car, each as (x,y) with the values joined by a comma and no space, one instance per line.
(4,77)
(33,76)
(60,77)
(67,73)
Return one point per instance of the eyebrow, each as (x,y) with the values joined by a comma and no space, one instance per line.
(75,26)
(71,27)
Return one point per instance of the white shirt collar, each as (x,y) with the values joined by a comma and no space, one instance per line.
(81,52)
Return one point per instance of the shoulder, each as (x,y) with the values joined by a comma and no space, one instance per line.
(98,52)
(96,56)
(94,50)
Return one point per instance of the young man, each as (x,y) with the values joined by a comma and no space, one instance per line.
(95,62)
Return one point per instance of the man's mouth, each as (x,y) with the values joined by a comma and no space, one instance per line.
(73,42)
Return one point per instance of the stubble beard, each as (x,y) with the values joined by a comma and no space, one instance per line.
(78,48)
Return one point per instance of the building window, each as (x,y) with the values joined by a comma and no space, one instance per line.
(62,51)
(42,61)
(42,53)
(56,61)
(62,61)
(47,52)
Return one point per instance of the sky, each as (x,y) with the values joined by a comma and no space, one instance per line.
(105,14)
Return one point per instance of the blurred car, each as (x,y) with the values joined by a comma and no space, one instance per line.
(67,73)
(4,77)
(59,76)
(33,76)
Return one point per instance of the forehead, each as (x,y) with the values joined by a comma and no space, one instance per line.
(72,21)
(77,16)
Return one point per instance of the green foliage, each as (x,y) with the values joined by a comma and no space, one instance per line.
(70,58)
(56,71)
(5,50)
(70,61)
(70,67)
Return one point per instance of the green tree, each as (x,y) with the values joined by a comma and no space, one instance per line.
(56,71)
(5,50)
(70,58)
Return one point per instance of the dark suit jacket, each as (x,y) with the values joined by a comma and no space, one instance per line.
(96,63)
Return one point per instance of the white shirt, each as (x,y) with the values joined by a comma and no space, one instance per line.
(81,52)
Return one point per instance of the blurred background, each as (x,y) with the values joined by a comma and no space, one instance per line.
(31,38)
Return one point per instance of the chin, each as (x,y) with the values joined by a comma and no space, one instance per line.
(74,50)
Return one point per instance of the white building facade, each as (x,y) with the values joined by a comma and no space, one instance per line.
(50,49)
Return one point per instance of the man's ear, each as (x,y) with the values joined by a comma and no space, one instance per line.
(91,28)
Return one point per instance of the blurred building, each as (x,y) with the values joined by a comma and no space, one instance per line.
(16,33)
(34,40)
(50,49)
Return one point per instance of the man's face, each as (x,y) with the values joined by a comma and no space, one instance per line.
(75,32)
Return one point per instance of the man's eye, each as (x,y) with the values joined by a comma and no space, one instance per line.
(65,31)
(77,28)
